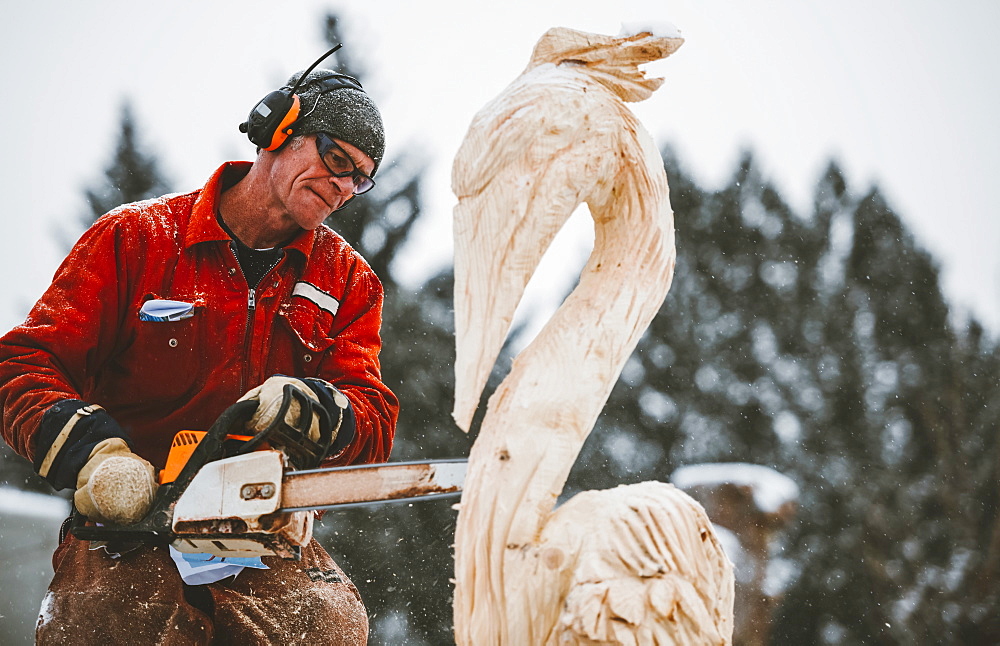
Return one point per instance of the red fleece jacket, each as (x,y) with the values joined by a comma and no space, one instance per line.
(316,314)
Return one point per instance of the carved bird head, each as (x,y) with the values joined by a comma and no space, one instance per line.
(612,60)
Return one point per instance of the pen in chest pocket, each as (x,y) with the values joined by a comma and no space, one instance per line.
(157,310)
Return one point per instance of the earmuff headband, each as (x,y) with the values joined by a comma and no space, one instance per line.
(269,123)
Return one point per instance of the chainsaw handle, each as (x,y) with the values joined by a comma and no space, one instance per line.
(211,446)
(294,440)
(157,524)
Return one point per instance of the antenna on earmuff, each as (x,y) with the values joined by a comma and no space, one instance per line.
(313,66)
(270,122)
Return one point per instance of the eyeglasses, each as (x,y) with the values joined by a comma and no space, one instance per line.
(340,164)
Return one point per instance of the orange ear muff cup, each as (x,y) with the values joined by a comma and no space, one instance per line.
(283,130)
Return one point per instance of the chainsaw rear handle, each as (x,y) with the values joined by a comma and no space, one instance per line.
(157,525)
(303,452)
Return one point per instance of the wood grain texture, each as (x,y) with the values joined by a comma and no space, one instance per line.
(637,564)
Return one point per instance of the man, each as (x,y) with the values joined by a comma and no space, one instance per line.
(164,314)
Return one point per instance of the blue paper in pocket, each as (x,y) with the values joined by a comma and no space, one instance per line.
(199,569)
(164,310)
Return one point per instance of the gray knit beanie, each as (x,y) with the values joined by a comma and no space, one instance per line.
(345,113)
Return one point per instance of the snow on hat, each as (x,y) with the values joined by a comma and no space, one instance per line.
(344,113)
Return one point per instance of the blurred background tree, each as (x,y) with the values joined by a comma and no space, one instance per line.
(399,555)
(132,174)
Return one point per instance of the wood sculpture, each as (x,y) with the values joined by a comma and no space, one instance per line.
(636,564)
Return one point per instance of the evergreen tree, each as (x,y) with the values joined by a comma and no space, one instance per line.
(378,224)
(132,175)
(716,366)
(871,461)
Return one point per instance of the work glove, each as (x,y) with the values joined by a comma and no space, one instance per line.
(115,485)
(329,427)
(72,449)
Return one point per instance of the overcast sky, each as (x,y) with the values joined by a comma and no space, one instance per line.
(902,94)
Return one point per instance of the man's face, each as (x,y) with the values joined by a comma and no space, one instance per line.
(306,188)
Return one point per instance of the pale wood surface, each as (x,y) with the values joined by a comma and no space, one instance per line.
(632,564)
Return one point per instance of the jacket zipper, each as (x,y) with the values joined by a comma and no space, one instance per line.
(248,330)
(247,337)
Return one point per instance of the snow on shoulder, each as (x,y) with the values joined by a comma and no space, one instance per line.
(771,489)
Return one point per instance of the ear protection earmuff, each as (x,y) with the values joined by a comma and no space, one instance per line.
(270,122)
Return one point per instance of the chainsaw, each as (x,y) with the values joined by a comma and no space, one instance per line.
(233,495)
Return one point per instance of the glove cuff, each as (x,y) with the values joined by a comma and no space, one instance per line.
(67,435)
(341,412)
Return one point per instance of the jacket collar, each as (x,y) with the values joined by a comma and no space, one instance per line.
(203,225)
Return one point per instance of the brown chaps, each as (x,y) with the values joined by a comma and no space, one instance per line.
(139,598)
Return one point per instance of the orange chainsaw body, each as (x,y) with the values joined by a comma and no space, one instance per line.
(184,444)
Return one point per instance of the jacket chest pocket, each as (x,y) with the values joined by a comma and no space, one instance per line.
(165,360)
(308,335)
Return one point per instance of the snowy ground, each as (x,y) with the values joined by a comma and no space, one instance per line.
(29,531)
